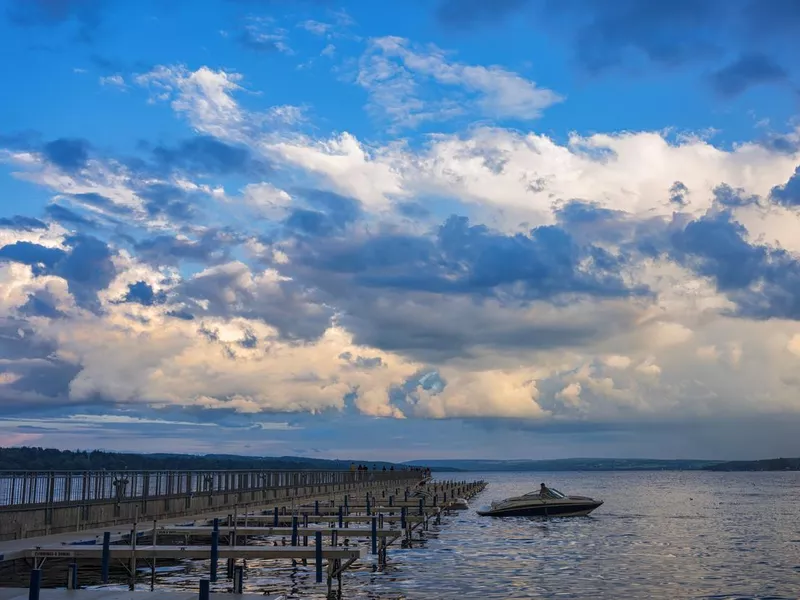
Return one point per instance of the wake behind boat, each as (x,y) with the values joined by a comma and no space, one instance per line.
(546,502)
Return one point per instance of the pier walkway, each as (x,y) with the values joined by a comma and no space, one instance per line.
(332,525)
(36,504)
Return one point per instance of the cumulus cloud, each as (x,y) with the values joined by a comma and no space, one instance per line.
(485,274)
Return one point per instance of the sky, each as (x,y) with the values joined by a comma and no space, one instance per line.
(401,230)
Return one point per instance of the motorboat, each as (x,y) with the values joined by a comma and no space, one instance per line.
(536,504)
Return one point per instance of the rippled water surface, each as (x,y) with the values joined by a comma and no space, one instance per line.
(658,535)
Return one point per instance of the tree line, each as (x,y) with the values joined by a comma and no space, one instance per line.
(49,459)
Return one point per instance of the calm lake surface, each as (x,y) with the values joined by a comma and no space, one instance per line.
(658,535)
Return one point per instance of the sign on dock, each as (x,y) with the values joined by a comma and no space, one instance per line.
(53,554)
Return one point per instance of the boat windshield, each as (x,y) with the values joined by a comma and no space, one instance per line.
(552,493)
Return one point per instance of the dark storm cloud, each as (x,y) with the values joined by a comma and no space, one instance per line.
(64,215)
(433,327)
(183,315)
(207,155)
(32,254)
(362,362)
(445,294)
(605,32)
(41,303)
(329,213)
(606,35)
(781,143)
(69,155)
(730,197)
(21,223)
(142,293)
(249,341)
(211,246)
(44,379)
(764,282)
(715,247)
(86,266)
(162,199)
(471,259)
(227,291)
(747,71)
(788,194)
(677,193)
(578,212)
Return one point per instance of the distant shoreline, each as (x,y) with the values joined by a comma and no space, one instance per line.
(45,459)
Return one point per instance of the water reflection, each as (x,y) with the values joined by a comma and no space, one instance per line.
(658,535)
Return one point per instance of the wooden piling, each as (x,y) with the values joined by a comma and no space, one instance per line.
(106,560)
(214,555)
(35,584)
(205,589)
(318,555)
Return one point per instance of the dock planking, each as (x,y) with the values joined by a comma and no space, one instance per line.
(352,532)
(202,552)
(334,517)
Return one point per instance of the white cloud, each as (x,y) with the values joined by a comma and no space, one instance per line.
(347,166)
(489,393)
(114,81)
(571,394)
(396,73)
(617,362)
(204,96)
(316,27)
(7,378)
(673,353)
(266,199)
(794,345)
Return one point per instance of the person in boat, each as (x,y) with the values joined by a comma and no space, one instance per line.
(544,491)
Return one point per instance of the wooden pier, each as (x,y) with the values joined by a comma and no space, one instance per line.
(331,530)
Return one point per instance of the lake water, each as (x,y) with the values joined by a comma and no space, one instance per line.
(658,535)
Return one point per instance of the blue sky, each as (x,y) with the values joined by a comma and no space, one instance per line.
(429,228)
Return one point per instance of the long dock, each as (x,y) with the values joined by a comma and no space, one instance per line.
(333,529)
(35,504)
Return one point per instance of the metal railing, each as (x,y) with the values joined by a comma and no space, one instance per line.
(27,488)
